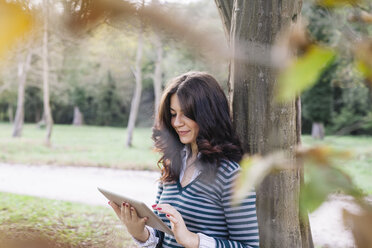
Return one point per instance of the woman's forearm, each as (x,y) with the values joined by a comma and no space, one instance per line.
(142,237)
(192,241)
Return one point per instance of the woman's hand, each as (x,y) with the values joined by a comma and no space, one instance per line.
(135,224)
(183,236)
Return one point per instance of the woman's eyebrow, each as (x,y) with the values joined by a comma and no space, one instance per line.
(174,110)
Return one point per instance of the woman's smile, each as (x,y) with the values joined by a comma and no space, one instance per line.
(183,133)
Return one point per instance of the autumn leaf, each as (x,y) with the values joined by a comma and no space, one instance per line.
(321,155)
(361,226)
(303,72)
(363,55)
(14,24)
(360,16)
(254,170)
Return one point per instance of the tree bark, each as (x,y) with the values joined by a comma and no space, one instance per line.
(317,130)
(78,119)
(137,92)
(306,238)
(23,67)
(47,110)
(158,72)
(225,9)
(263,125)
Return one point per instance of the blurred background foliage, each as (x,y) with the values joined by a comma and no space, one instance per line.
(339,99)
(94,71)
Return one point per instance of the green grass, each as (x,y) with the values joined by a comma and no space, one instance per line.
(359,167)
(83,146)
(65,224)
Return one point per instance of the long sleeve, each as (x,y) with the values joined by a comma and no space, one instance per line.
(241,219)
(151,242)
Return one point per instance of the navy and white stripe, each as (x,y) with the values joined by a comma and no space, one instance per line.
(206,209)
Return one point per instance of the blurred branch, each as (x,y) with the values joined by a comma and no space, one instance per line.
(348,129)
(360,16)
(156,17)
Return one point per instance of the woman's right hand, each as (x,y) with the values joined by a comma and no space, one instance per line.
(135,224)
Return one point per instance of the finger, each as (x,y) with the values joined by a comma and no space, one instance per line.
(135,216)
(167,209)
(134,213)
(128,212)
(172,219)
(115,208)
(125,212)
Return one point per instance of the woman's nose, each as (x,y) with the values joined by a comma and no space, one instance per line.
(178,121)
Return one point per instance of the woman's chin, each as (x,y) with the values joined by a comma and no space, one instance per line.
(185,141)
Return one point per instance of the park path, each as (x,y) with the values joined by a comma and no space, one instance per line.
(79,184)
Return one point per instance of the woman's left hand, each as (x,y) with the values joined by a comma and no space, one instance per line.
(183,236)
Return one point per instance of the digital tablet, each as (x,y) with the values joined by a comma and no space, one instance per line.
(141,208)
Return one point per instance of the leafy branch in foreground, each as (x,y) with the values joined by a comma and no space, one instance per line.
(323,178)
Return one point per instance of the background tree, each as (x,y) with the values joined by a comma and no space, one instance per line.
(23,67)
(138,88)
(158,71)
(47,110)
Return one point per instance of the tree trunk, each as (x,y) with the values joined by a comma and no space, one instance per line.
(78,119)
(317,130)
(47,110)
(137,92)
(10,113)
(158,72)
(263,125)
(42,122)
(23,67)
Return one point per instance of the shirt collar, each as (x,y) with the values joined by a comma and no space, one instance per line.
(186,151)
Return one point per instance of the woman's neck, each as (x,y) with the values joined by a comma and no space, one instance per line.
(194,150)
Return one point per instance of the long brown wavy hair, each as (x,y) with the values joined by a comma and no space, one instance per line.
(202,100)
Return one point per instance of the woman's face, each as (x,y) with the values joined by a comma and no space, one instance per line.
(186,128)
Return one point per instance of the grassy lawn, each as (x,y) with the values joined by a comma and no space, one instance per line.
(64,224)
(360,166)
(83,146)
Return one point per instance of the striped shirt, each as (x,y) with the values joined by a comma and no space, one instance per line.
(206,209)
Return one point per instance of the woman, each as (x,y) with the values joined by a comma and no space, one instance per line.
(200,159)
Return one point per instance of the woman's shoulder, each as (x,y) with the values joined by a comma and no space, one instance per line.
(228,167)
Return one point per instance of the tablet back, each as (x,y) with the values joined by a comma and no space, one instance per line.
(142,210)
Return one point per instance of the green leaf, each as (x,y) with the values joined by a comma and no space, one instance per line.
(304,72)
(321,182)
(337,3)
